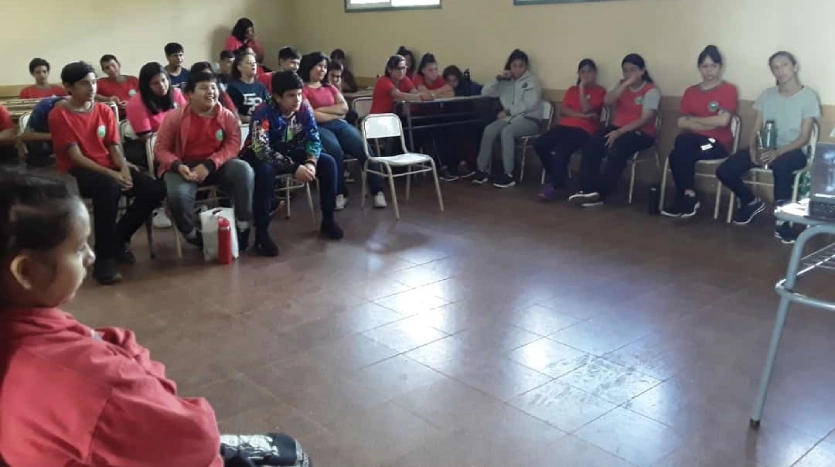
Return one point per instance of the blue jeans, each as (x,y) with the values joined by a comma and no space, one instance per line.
(340,138)
(264,192)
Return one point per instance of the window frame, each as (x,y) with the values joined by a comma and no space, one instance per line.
(555,2)
(360,9)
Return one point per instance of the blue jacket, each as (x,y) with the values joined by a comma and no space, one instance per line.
(286,142)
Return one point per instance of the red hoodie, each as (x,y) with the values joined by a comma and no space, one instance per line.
(72,396)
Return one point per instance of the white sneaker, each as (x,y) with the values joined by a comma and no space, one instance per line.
(161,220)
(341,201)
(380,200)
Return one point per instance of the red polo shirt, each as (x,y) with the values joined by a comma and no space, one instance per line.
(382,102)
(124,90)
(698,102)
(571,100)
(93,132)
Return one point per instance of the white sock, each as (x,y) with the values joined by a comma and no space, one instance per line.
(242,225)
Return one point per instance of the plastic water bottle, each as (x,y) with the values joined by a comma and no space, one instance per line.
(467,86)
(224,241)
(654,200)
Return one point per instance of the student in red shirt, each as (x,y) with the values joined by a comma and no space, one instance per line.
(198,145)
(116,87)
(705,119)
(395,86)
(243,35)
(39,69)
(579,120)
(8,138)
(289,59)
(223,97)
(338,136)
(86,142)
(636,100)
(101,399)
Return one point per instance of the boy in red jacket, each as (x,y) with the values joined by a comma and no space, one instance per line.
(75,396)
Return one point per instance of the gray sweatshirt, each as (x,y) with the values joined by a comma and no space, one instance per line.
(520,98)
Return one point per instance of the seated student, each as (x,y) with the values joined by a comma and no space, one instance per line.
(8,138)
(243,35)
(116,87)
(521,97)
(337,135)
(635,100)
(459,84)
(86,141)
(39,69)
(289,59)
(393,86)
(411,62)
(178,75)
(285,140)
(36,137)
(349,83)
(246,92)
(704,121)
(115,403)
(223,98)
(429,79)
(196,145)
(579,120)
(793,108)
(225,65)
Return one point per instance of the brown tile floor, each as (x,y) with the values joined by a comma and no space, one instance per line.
(502,332)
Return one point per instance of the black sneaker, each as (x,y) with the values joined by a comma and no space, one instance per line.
(745,214)
(504,181)
(269,449)
(785,233)
(447,176)
(105,272)
(480,178)
(196,241)
(126,257)
(265,245)
(243,240)
(674,209)
(331,230)
(465,172)
(684,206)
(584,199)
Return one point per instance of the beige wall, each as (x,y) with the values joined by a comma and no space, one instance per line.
(134,30)
(479,34)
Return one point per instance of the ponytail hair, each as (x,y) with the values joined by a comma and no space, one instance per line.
(427,59)
(638,61)
(586,62)
(392,63)
(711,52)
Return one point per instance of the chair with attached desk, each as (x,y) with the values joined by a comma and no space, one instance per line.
(798,174)
(736,126)
(382,126)
(526,143)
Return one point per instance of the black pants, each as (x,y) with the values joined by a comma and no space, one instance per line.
(9,155)
(595,150)
(555,148)
(135,152)
(686,152)
(145,196)
(731,171)
(264,191)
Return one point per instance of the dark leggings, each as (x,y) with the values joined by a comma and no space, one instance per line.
(595,150)
(555,149)
(688,150)
(731,171)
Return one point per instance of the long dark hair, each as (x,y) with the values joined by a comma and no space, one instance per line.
(236,73)
(239,30)
(586,62)
(154,103)
(404,52)
(311,60)
(516,55)
(427,59)
(639,62)
(392,62)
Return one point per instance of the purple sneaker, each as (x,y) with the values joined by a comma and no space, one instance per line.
(547,193)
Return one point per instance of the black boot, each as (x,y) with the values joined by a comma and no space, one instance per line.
(332,230)
(264,244)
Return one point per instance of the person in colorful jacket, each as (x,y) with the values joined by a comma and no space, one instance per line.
(285,140)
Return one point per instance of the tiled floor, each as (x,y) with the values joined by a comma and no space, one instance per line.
(502,332)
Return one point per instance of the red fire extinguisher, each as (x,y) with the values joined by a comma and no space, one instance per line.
(224,241)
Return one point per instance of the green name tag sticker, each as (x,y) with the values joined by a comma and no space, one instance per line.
(102,131)
(219,135)
(132,92)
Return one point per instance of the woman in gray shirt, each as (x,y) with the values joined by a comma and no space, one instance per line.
(793,108)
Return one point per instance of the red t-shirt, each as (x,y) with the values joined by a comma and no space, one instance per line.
(74,396)
(267,80)
(205,137)
(571,100)
(35,92)
(6,122)
(430,85)
(323,96)
(93,132)
(382,102)
(630,107)
(124,90)
(698,102)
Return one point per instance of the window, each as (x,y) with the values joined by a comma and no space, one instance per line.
(539,2)
(371,5)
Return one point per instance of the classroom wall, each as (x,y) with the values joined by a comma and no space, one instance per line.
(135,31)
(479,34)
